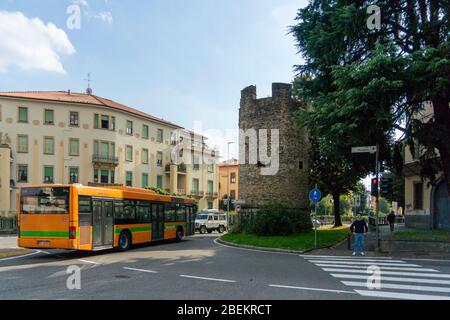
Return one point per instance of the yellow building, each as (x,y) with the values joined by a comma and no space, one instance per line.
(65,137)
(228,182)
(426,206)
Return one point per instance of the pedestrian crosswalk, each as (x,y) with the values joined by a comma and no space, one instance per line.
(385,277)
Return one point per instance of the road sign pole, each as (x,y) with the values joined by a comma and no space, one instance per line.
(315,227)
(377,173)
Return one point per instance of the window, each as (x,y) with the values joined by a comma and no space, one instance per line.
(74,147)
(159,182)
(129,128)
(159,159)
(210,206)
(144,180)
(196,162)
(49,117)
(195,185)
(84,204)
(22,173)
(104,149)
(129,179)
(96,175)
(113,123)
(143,212)
(233,177)
(104,176)
(418,196)
(104,124)
(48,174)
(49,145)
(96,120)
(125,210)
(73,175)
(74,119)
(145,132)
(23,114)
(169,212)
(210,186)
(211,167)
(159,135)
(22,141)
(112,176)
(45,200)
(145,156)
(128,153)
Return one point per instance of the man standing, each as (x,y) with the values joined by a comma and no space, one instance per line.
(359,228)
(391,220)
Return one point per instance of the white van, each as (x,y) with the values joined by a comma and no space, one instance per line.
(211,220)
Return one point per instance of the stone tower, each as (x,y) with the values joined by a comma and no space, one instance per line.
(290,183)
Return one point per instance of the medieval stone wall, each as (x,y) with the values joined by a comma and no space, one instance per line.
(290,184)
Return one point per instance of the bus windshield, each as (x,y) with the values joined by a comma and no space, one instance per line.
(45,200)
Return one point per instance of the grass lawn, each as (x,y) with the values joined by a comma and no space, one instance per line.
(304,241)
(423,235)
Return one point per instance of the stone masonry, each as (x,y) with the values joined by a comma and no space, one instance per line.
(290,184)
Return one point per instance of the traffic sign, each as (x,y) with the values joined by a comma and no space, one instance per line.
(315,195)
(370,149)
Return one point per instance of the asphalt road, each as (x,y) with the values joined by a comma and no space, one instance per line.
(200,268)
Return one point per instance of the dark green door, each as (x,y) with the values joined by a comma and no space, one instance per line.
(441,208)
(157,222)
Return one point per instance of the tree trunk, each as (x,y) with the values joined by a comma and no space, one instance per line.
(442,120)
(337,210)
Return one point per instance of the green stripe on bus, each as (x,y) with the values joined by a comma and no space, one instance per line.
(135,229)
(47,234)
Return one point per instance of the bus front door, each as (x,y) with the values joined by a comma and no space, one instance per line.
(103,223)
(157,222)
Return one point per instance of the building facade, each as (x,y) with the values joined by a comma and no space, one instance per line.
(258,118)
(426,206)
(229,180)
(65,137)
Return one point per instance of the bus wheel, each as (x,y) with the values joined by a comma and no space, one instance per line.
(221,229)
(179,235)
(124,241)
(203,230)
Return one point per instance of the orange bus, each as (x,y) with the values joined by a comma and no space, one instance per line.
(77,217)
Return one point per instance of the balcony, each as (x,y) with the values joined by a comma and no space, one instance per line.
(181,168)
(101,160)
(181,191)
(214,195)
(196,193)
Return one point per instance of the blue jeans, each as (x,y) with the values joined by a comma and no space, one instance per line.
(359,241)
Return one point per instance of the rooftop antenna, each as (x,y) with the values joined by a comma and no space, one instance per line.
(89,80)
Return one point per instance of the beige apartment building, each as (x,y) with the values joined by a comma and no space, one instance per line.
(426,206)
(64,137)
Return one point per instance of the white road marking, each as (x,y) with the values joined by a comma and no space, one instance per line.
(413,274)
(399,287)
(395,279)
(368,263)
(356,260)
(397,295)
(169,264)
(310,289)
(343,257)
(204,278)
(382,268)
(87,261)
(18,257)
(140,270)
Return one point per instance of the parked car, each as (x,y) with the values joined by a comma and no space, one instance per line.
(211,220)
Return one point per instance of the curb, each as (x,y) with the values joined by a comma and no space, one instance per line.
(245,246)
(13,253)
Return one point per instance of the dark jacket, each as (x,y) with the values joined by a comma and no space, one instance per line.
(391,218)
(359,226)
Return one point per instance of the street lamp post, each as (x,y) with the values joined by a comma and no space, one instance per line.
(228,179)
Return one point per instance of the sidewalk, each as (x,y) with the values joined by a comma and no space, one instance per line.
(9,248)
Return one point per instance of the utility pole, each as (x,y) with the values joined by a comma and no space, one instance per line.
(228,179)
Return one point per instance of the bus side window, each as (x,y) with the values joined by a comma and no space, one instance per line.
(180,213)
(169,212)
(143,211)
(129,209)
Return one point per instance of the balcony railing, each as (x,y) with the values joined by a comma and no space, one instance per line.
(212,194)
(182,168)
(181,191)
(196,193)
(105,159)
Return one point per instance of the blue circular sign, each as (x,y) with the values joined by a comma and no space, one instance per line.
(315,195)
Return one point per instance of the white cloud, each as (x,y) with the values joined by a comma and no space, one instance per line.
(29,43)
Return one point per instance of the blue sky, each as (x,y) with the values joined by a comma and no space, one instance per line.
(182,60)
